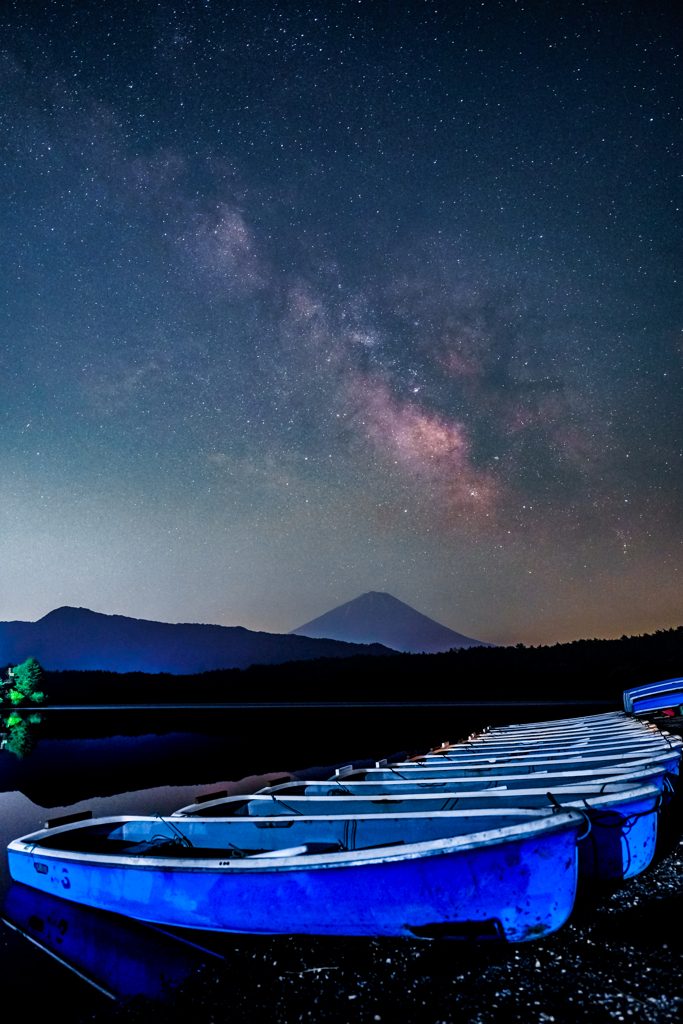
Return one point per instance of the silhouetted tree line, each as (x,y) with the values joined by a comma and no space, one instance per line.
(583,669)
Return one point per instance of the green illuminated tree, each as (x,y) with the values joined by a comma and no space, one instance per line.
(26,681)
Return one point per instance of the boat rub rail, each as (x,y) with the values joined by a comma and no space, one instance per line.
(194,858)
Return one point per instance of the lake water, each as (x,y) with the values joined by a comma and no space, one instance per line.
(153,762)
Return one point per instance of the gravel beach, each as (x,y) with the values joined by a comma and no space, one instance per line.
(618,958)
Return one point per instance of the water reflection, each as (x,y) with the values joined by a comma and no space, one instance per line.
(16,734)
(67,757)
(54,770)
(120,957)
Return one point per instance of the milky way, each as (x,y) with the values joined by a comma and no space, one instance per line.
(305,300)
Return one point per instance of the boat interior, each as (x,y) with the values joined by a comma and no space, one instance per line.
(336,802)
(244,837)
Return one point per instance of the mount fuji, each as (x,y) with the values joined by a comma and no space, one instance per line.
(378,617)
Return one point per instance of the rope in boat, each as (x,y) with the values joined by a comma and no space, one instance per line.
(292,810)
(179,839)
(625,822)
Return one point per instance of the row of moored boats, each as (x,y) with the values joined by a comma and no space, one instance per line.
(488,837)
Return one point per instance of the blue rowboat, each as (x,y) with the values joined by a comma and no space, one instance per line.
(642,700)
(510,874)
(567,728)
(632,731)
(528,750)
(588,721)
(641,771)
(603,763)
(637,727)
(472,753)
(402,789)
(267,805)
(623,815)
(615,720)
(569,731)
(641,728)
(551,741)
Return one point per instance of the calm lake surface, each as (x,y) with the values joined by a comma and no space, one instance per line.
(153,762)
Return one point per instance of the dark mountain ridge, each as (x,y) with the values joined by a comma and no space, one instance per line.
(77,638)
(378,617)
(580,670)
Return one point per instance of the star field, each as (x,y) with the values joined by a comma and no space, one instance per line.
(305,300)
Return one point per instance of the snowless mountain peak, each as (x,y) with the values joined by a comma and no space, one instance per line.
(378,617)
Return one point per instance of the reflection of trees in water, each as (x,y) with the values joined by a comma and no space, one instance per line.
(16,734)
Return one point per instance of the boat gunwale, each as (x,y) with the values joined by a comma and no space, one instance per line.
(556,735)
(631,723)
(661,687)
(628,792)
(651,703)
(583,736)
(606,717)
(569,737)
(539,824)
(520,750)
(613,775)
(482,766)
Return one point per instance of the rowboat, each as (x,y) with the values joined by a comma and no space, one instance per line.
(509,873)
(587,727)
(642,700)
(418,797)
(639,770)
(628,730)
(571,759)
(642,730)
(644,772)
(575,738)
(473,754)
(481,768)
(623,814)
(607,719)
(623,726)
(592,723)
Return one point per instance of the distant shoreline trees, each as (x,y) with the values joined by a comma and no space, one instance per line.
(583,669)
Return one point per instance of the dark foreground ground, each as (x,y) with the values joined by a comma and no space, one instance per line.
(618,958)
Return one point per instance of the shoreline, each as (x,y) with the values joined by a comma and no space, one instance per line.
(276,705)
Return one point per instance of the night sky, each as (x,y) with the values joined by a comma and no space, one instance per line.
(305,300)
